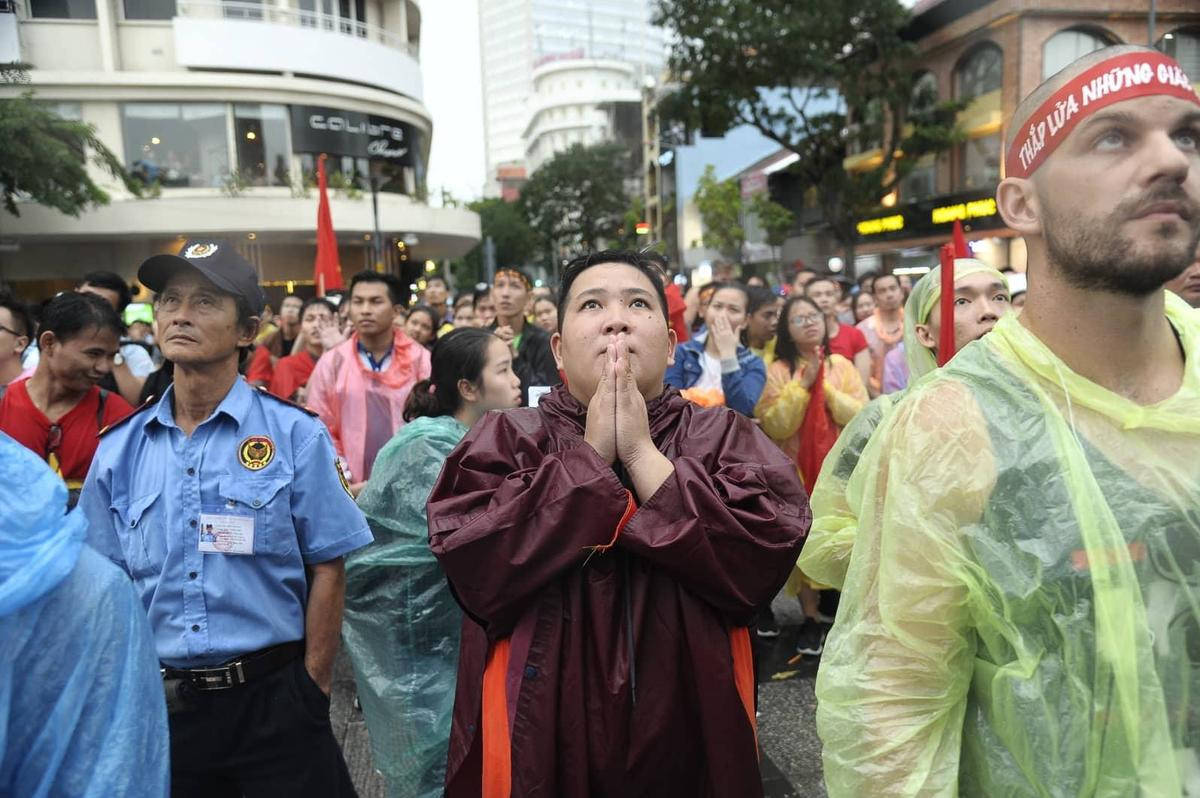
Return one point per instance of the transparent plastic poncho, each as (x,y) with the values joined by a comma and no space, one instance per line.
(826,553)
(1021,614)
(402,624)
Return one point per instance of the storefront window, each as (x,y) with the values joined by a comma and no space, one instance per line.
(149,9)
(921,182)
(1065,46)
(342,171)
(62,9)
(981,162)
(980,72)
(263,145)
(1184,46)
(177,144)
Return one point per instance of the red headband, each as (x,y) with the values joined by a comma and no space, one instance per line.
(1120,78)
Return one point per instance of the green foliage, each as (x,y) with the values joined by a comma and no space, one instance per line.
(778,65)
(44,157)
(627,237)
(577,198)
(515,242)
(775,220)
(720,206)
(234,184)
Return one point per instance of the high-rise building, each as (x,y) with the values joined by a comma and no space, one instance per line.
(545,62)
(220,108)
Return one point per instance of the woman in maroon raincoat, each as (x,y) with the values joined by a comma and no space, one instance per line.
(610,547)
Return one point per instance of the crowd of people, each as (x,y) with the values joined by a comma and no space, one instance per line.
(546,523)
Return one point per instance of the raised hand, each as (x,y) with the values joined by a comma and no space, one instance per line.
(725,337)
(506,334)
(329,334)
(600,430)
(633,422)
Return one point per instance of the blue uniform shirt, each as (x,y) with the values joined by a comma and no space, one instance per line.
(255,457)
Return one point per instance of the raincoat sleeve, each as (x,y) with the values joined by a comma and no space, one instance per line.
(401,623)
(826,554)
(782,404)
(891,692)
(322,398)
(505,518)
(729,522)
(80,692)
(845,393)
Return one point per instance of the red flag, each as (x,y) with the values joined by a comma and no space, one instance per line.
(945,349)
(961,250)
(327,271)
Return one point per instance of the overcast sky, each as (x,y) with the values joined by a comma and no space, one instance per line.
(453,95)
(450,68)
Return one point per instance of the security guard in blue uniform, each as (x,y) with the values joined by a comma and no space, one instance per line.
(227,508)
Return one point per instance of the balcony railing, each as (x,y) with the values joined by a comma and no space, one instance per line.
(315,20)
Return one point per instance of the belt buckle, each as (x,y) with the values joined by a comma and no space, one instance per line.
(221,678)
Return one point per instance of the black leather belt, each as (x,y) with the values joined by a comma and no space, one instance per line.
(239,671)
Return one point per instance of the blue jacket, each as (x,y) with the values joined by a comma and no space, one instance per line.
(742,387)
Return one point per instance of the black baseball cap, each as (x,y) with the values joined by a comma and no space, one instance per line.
(216,260)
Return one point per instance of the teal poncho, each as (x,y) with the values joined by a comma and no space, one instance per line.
(402,624)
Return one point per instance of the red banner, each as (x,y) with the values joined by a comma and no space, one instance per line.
(327,271)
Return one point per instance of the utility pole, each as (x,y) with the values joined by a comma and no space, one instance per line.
(1151,21)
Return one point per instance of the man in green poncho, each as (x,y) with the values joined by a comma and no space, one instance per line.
(1021,615)
(980,298)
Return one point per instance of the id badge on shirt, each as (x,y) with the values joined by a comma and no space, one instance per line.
(226,534)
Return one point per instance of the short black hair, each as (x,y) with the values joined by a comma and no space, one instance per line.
(428,311)
(480,293)
(396,290)
(759,295)
(883,276)
(648,266)
(112,282)
(21,316)
(464,299)
(439,278)
(318,300)
(70,314)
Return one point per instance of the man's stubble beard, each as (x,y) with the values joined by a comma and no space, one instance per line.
(1098,256)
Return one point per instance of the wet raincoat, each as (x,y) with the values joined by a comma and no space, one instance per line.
(1021,614)
(401,624)
(362,408)
(81,700)
(826,553)
(590,669)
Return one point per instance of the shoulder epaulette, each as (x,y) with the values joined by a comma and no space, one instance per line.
(287,402)
(150,401)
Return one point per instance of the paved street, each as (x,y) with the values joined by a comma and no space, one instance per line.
(791,761)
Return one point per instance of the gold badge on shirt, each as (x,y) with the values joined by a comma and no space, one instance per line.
(337,462)
(256,452)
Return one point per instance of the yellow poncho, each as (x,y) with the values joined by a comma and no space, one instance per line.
(1021,615)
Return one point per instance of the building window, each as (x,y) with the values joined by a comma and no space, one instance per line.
(1184,46)
(62,9)
(149,9)
(980,163)
(921,182)
(263,146)
(1065,46)
(980,72)
(72,112)
(177,144)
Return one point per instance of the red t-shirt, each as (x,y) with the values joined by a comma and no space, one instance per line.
(21,419)
(260,369)
(848,342)
(291,374)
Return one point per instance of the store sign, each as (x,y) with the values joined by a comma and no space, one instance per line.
(317,129)
(934,217)
(886,224)
(978,209)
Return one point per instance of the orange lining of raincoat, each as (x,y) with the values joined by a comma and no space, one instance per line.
(743,673)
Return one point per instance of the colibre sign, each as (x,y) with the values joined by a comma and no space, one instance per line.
(317,129)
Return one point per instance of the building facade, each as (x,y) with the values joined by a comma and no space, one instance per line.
(996,52)
(220,110)
(537,58)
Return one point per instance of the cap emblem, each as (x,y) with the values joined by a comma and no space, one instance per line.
(200,250)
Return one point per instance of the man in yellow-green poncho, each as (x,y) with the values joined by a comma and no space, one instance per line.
(980,299)
(1021,614)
